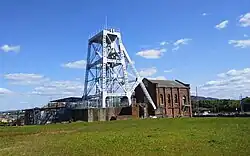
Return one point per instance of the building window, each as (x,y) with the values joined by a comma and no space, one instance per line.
(175,98)
(169,98)
(161,99)
(184,100)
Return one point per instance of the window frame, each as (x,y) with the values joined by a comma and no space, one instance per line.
(161,99)
(176,98)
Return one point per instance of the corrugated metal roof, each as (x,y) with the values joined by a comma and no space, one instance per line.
(167,83)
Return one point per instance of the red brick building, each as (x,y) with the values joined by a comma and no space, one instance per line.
(172,98)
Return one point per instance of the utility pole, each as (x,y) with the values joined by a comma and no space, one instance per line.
(196,95)
(241,104)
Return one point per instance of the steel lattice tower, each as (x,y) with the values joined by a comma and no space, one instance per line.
(110,73)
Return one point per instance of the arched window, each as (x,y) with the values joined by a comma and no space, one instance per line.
(161,99)
(169,98)
(175,98)
(184,100)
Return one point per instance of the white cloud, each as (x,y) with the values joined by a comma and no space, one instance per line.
(151,53)
(222,25)
(245,20)
(4,91)
(178,43)
(45,86)
(23,76)
(233,72)
(158,78)
(240,43)
(168,71)
(228,85)
(176,48)
(182,41)
(146,72)
(23,102)
(81,64)
(59,88)
(204,14)
(9,48)
(245,35)
(77,79)
(163,43)
(25,79)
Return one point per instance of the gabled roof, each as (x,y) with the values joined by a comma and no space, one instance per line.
(169,83)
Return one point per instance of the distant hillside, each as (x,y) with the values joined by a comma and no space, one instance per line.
(9,111)
(202,98)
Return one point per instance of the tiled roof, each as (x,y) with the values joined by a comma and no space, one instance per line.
(168,83)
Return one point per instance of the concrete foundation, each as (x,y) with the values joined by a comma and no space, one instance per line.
(101,114)
(88,115)
(114,113)
(159,112)
(135,111)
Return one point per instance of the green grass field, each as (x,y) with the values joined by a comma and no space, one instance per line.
(183,136)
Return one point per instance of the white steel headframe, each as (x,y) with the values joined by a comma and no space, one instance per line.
(108,70)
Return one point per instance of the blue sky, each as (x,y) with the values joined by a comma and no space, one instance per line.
(43,45)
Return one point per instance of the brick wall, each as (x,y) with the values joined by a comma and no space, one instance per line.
(172,99)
